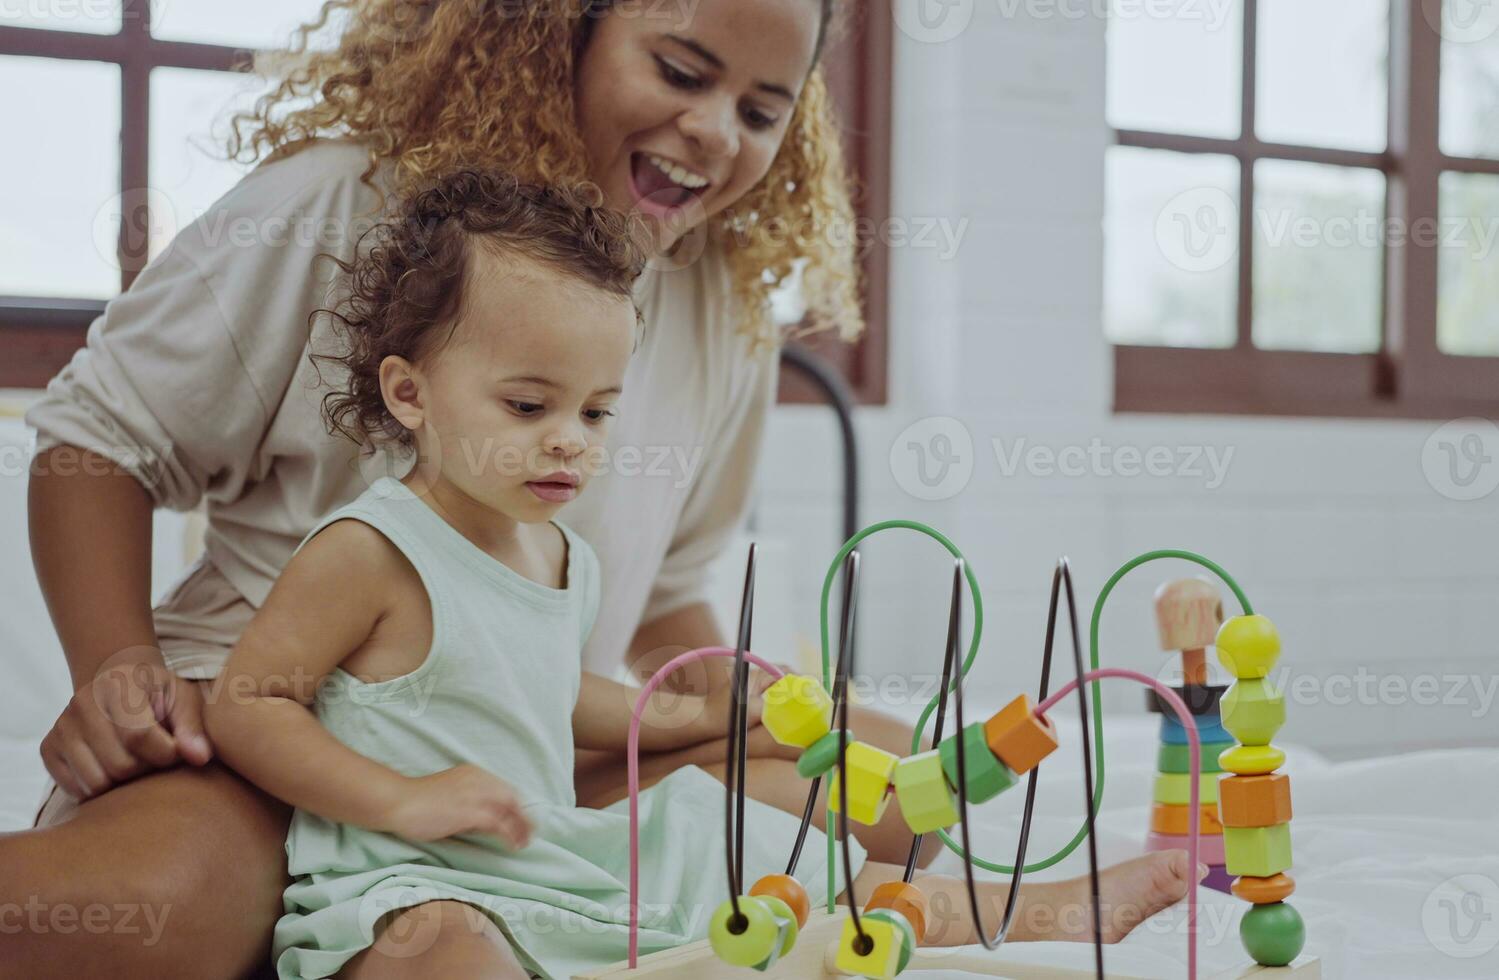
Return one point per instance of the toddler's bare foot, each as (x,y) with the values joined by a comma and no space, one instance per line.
(1129,894)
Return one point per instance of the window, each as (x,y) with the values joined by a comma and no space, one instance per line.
(147,89)
(1303,207)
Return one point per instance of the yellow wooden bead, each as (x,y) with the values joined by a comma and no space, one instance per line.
(1251,760)
(926,801)
(751,939)
(1176,787)
(876,954)
(1253,711)
(1257,851)
(798,710)
(1248,646)
(869,772)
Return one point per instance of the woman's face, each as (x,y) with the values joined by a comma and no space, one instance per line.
(682,116)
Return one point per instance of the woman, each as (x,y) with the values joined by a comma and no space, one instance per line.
(197,385)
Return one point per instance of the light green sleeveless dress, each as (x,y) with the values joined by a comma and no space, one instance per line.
(497,690)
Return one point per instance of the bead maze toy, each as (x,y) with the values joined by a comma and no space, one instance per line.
(772,929)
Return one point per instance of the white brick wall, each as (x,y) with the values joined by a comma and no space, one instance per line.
(1328,525)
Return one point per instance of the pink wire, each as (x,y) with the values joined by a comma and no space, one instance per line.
(633,754)
(1195,753)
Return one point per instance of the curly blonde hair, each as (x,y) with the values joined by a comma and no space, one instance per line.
(443,85)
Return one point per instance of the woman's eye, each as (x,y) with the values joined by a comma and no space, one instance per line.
(758,119)
(525,408)
(676,76)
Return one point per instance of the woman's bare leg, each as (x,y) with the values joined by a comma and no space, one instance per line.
(772,779)
(437,939)
(1129,893)
(176,873)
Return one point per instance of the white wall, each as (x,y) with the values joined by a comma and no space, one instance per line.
(1375,579)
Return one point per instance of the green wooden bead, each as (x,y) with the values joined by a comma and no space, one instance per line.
(987,776)
(1257,852)
(1253,710)
(908,933)
(1248,646)
(926,800)
(785,924)
(757,939)
(1272,934)
(1176,787)
(820,757)
(1175,758)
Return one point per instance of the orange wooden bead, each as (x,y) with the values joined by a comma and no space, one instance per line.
(1172,818)
(788,890)
(1255,801)
(902,897)
(1018,738)
(1264,891)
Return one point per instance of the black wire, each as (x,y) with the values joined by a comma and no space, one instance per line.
(862,943)
(947,668)
(738,737)
(1064,572)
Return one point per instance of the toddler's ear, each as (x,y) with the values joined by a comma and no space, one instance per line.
(402,392)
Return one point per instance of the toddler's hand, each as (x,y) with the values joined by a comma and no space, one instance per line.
(462,800)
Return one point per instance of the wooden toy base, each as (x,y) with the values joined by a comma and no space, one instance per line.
(817,946)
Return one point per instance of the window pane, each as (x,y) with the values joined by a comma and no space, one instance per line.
(1470,81)
(266,24)
(190,112)
(1175,66)
(1171,232)
(1468,298)
(1319,254)
(59,200)
(1324,73)
(84,16)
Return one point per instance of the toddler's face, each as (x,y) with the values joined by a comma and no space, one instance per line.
(517,403)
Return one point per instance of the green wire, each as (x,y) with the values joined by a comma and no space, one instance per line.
(978,626)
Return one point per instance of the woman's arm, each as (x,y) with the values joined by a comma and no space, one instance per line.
(601,718)
(259,710)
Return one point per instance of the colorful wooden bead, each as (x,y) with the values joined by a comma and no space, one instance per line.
(904,898)
(1263,891)
(908,941)
(926,800)
(1176,787)
(1248,646)
(748,939)
(1174,818)
(1273,934)
(1209,847)
(786,928)
(1251,760)
(797,710)
(1019,738)
(1258,852)
(1209,729)
(1171,757)
(1200,699)
(1255,801)
(788,890)
(869,772)
(1253,711)
(820,757)
(875,954)
(987,776)
(1187,613)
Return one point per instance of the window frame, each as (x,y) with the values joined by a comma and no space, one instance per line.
(39,334)
(1409,377)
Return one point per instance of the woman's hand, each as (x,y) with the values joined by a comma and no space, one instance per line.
(720,701)
(462,800)
(136,716)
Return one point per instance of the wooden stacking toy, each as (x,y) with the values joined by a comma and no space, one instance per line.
(1254,801)
(1188,614)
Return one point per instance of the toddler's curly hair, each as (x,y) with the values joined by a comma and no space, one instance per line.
(405,284)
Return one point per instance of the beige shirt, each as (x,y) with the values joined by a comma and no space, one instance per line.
(198,381)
